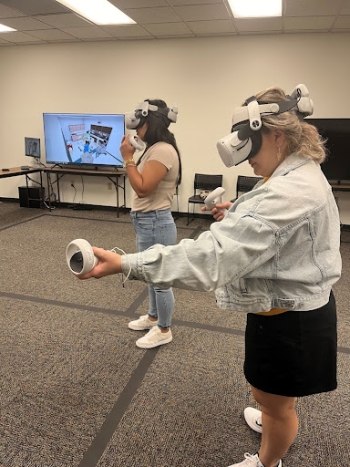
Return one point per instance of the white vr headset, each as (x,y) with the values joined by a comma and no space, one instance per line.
(136,119)
(245,139)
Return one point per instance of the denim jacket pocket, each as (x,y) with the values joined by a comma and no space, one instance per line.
(254,291)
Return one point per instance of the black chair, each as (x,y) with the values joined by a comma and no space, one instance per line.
(245,184)
(202,182)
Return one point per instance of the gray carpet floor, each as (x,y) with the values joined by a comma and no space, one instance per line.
(75,391)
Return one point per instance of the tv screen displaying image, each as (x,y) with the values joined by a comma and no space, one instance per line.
(84,139)
(32,147)
(336,131)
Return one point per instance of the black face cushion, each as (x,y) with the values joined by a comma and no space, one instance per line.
(245,132)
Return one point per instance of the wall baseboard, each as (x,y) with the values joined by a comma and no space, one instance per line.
(9,200)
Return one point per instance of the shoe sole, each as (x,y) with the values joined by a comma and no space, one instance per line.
(136,328)
(156,344)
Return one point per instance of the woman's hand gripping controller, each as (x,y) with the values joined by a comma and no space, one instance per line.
(212,199)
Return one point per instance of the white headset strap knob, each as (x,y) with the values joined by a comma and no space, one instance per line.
(254,115)
(144,108)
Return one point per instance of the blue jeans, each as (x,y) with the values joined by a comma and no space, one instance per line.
(151,228)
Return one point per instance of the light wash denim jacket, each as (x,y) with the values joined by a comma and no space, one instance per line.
(277,247)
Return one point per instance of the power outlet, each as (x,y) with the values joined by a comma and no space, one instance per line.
(109,186)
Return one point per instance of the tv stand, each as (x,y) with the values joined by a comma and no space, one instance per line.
(117,177)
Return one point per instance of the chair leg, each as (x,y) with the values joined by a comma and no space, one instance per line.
(177,203)
(188,214)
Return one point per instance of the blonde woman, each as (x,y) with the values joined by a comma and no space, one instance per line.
(274,255)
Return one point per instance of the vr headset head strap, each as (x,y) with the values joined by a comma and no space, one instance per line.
(137,118)
(245,139)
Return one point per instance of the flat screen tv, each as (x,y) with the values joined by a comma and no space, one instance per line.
(337,133)
(89,140)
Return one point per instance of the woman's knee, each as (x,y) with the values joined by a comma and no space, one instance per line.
(272,404)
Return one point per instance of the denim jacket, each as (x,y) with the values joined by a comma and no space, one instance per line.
(277,247)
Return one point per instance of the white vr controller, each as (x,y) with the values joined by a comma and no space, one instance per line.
(214,197)
(137,143)
(80,257)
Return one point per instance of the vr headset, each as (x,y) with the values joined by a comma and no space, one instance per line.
(245,138)
(135,119)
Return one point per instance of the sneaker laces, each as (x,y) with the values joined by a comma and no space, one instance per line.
(252,460)
(152,331)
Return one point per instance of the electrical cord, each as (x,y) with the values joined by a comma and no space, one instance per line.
(128,275)
(75,192)
(82,194)
(52,196)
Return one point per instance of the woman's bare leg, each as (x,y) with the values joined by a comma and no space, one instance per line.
(280,425)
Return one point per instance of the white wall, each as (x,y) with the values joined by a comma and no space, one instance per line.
(205,77)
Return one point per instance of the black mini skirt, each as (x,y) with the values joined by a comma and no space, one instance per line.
(292,354)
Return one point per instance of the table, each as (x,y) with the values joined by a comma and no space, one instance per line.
(115,176)
(340,186)
(16,171)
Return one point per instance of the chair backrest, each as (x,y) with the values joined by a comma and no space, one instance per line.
(245,184)
(206,182)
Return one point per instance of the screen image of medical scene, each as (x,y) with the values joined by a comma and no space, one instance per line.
(92,139)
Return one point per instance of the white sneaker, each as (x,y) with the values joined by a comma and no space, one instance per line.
(154,338)
(142,323)
(253,419)
(252,461)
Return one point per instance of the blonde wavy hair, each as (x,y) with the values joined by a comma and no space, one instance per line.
(302,137)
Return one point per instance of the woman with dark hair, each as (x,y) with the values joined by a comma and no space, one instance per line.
(154,179)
